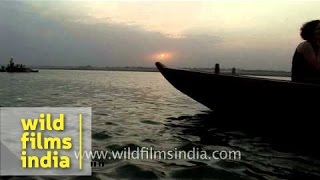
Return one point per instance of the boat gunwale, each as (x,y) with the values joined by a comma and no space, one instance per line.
(161,66)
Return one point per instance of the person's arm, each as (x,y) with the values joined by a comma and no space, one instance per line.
(308,52)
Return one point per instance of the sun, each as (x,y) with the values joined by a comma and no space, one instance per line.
(162,56)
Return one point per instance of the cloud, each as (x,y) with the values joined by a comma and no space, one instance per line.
(129,34)
(43,40)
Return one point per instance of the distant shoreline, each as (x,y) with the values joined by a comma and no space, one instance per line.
(153,69)
(137,69)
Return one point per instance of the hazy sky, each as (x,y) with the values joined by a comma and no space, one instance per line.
(242,34)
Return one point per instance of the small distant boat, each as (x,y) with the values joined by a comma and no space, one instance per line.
(12,68)
(249,96)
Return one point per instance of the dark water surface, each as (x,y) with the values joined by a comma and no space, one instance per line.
(141,109)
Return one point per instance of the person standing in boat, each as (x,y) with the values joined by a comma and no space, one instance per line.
(306,59)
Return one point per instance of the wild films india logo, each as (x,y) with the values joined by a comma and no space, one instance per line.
(44,141)
(33,136)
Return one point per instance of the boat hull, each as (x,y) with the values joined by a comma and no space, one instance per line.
(281,111)
(235,95)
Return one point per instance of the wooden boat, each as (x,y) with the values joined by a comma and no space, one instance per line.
(284,112)
(249,97)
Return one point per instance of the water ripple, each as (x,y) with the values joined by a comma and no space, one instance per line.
(134,110)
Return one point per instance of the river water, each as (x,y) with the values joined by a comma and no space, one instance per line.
(141,109)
